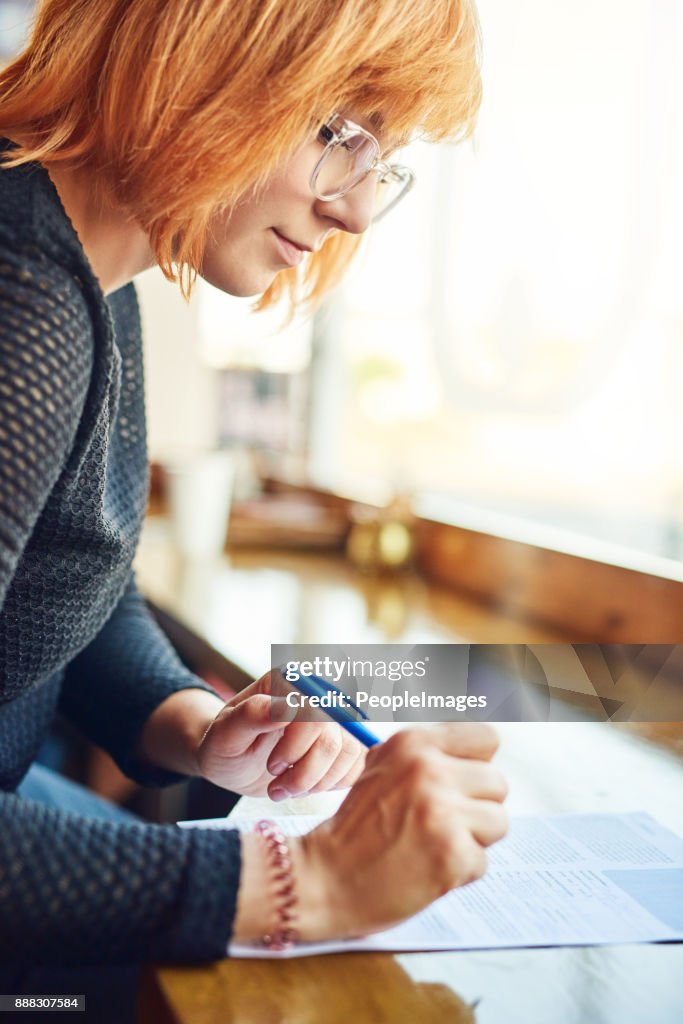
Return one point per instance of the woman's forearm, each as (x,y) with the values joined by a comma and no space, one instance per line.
(172,733)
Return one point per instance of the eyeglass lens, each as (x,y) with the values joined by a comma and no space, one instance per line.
(346,164)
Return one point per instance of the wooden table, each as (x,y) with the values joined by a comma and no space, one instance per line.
(552,767)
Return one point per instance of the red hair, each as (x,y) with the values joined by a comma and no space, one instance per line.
(180,107)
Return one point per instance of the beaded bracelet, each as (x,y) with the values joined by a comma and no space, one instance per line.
(284,935)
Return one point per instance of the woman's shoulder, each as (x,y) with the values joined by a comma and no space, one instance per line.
(38,282)
(45,327)
(35,229)
(17,198)
(46,335)
(42,304)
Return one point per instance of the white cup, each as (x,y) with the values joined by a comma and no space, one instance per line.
(200,489)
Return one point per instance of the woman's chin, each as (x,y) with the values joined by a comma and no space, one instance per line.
(242,286)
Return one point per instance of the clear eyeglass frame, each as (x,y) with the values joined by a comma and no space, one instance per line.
(335,133)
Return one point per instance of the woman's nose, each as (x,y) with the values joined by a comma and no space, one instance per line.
(355,208)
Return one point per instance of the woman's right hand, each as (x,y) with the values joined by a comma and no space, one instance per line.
(414,825)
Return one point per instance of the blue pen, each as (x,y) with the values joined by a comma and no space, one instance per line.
(316,686)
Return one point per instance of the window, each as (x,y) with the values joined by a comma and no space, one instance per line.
(512,337)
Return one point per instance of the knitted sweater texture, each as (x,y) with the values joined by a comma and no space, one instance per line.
(75,635)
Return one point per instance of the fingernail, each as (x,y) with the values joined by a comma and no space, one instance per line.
(279,768)
(279,793)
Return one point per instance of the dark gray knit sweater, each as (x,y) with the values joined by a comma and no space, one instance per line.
(74,632)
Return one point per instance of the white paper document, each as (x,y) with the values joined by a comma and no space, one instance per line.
(559,880)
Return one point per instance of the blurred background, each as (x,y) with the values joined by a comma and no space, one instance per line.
(512,336)
(511,339)
(477,438)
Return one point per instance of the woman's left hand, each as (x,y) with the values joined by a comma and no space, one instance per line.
(245,751)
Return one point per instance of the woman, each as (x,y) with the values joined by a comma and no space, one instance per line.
(244,143)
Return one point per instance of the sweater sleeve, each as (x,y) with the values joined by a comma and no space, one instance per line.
(75,890)
(112,687)
(46,361)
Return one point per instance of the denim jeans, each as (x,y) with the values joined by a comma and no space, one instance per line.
(110,992)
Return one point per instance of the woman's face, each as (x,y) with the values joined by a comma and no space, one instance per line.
(272,231)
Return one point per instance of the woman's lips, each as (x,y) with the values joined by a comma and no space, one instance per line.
(292,254)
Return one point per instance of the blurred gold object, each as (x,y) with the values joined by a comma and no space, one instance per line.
(381,539)
(387,602)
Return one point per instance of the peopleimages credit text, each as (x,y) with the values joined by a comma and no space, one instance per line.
(333,671)
(394,701)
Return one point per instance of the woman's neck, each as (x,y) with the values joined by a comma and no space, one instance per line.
(115,245)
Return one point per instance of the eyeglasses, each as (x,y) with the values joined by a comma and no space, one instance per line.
(350,154)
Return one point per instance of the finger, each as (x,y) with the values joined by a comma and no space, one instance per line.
(475,740)
(309,769)
(475,865)
(460,860)
(488,821)
(477,779)
(259,686)
(467,739)
(236,729)
(352,775)
(348,766)
(297,740)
